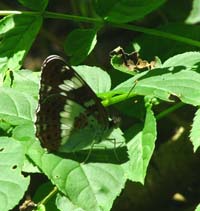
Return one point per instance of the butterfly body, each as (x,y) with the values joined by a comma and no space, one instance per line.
(69,116)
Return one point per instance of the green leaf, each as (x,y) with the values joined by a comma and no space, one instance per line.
(38,5)
(167,84)
(63,203)
(195,131)
(95,77)
(188,59)
(141,147)
(194,16)
(17,34)
(16,107)
(79,44)
(198,208)
(97,183)
(13,183)
(122,11)
(24,81)
(24,132)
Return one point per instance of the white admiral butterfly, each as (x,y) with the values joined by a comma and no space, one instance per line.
(69,116)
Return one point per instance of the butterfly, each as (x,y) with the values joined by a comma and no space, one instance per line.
(69,116)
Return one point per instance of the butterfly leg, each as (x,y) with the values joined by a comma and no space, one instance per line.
(90,151)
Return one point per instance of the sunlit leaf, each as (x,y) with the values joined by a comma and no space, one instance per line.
(195,131)
(13,183)
(97,183)
(17,33)
(141,147)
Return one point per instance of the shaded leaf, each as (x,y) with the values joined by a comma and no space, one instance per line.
(79,44)
(17,34)
(165,50)
(122,11)
(42,192)
(38,5)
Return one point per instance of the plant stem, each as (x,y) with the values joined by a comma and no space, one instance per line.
(169,110)
(49,196)
(55,15)
(156,32)
(101,21)
(117,99)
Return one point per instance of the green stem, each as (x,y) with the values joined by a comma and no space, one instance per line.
(55,15)
(156,33)
(169,110)
(122,97)
(117,99)
(49,196)
(10,12)
(145,30)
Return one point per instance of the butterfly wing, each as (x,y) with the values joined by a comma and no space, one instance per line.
(69,116)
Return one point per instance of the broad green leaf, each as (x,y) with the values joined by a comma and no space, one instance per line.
(17,34)
(24,81)
(16,107)
(188,59)
(26,134)
(79,44)
(194,16)
(95,77)
(13,183)
(195,131)
(198,208)
(141,147)
(38,5)
(167,84)
(122,11)
(98,184)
